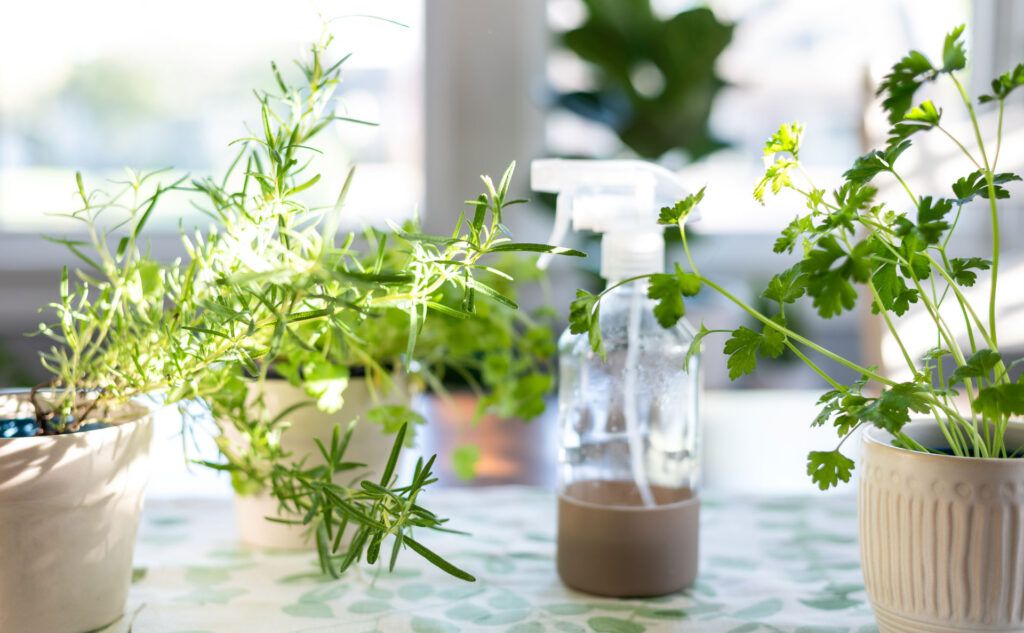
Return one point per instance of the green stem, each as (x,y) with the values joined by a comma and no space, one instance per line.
(964,303)
(995,257)
(911,442)
(892,328)
(974,118)
(999,135)
(992,206)
(958,144)
(818,370)
(906,187)
(686,249)
(796,337)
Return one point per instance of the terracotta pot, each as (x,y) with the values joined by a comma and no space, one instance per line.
(369,445)
(942,538)
(69,511)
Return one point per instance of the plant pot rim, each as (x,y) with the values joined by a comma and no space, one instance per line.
(881,439)
(135,410)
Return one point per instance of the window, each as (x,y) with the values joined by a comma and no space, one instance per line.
(98,87)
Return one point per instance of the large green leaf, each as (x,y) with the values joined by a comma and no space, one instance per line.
(656,77)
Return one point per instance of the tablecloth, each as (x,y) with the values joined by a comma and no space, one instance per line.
(781,565)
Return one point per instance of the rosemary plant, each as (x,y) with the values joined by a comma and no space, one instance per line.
(274,285)
(355,301)
(850,238)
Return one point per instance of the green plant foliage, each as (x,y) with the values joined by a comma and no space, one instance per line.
(273,285)
(851,240)
(656,77)
(668,291)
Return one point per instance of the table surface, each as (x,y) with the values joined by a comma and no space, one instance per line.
(784,565)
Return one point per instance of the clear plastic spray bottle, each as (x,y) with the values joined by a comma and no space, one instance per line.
(628,508)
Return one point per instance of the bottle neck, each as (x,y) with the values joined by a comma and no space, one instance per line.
(635,284)
(626,253)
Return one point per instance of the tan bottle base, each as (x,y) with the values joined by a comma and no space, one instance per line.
(610,545)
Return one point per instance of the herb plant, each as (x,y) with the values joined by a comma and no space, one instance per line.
(274,285)
(849,238)
(354,303)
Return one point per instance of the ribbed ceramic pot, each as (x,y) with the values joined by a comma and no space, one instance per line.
(69,511)
(369,445)
(942,537)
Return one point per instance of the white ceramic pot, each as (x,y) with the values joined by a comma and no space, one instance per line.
(69,511)
(369,445)
(942,538)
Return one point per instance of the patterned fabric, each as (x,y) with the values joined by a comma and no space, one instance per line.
(781,565)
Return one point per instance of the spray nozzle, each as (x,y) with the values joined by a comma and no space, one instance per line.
(619,198)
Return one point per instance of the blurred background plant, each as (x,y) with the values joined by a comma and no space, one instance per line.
(654,78)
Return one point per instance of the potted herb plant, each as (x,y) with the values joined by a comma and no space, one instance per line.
(359,342)
(940,498)
(73,452)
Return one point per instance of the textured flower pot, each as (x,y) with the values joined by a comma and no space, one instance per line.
(942,538)
(369,445)
(69,511)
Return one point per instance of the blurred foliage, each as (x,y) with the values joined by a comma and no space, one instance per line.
(13,372)
(656,78)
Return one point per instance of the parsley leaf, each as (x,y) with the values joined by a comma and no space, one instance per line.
(776,174)
(695,346)
(893,292)
(584,316)
(919,119)
(845,405)
(828,468)
(787,139)
(777,168)
(899,86)
(1000,401)
(742,350)
(850,198)
(1006,83)
(792,233)
(831,402)
(669,307)
(902,82)
(891,409)
(668,289)
(911,249)
(873,163)
(829,284)
(681,210)
(930,222)
(787,286)
(960,269)
(974,184)
(854,196)
(581,310)
(979,365)
(773,342)
(745,344)
(954,55)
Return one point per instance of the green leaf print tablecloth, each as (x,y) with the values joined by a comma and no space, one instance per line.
(782,565)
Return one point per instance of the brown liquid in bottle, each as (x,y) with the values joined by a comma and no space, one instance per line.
(609,544)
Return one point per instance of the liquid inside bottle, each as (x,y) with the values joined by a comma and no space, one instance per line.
(629,467)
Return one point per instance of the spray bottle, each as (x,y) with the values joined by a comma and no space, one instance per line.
(628,509)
